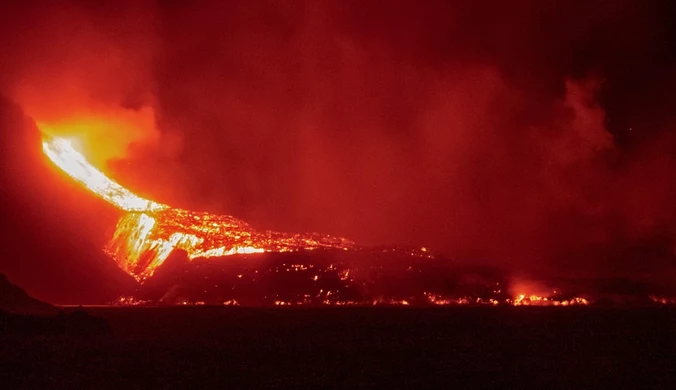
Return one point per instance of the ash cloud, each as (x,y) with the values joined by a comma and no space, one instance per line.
(533,135)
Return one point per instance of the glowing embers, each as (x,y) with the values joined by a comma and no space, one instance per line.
(62,153)
(441,300)
(536,300)
(128,301)
(308,300)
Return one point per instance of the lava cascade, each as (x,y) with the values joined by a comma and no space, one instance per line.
(149,231)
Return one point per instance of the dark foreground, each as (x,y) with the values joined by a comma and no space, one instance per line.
(465,347)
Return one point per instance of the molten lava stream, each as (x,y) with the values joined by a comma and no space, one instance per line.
(149,231)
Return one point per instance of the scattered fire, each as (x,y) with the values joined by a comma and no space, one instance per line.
(440,300)
(433,299)
(536,300)
(150,231)
(129,301)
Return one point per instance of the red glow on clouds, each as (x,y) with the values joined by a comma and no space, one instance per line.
(439,124)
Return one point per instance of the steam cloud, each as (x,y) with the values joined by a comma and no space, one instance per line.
(527,135)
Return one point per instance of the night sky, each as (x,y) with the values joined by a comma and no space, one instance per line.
(522,134)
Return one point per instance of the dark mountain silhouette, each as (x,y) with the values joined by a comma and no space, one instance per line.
(15,300)
(23,315)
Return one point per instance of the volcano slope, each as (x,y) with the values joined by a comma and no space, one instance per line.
(52,230)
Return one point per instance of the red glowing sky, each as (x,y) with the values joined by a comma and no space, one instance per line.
(534,133)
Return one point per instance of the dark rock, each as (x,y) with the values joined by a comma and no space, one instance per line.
(15,300)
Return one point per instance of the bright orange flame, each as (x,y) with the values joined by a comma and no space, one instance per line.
(150,231)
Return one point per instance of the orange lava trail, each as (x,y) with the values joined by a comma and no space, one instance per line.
(149,231)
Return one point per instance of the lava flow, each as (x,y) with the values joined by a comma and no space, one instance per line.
(149,231)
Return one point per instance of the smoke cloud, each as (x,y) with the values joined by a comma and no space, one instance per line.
(528,135)
(83,72)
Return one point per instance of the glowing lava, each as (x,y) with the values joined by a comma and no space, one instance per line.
(149,231)
(63,154)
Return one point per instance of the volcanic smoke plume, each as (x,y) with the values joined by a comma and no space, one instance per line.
(532,136)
